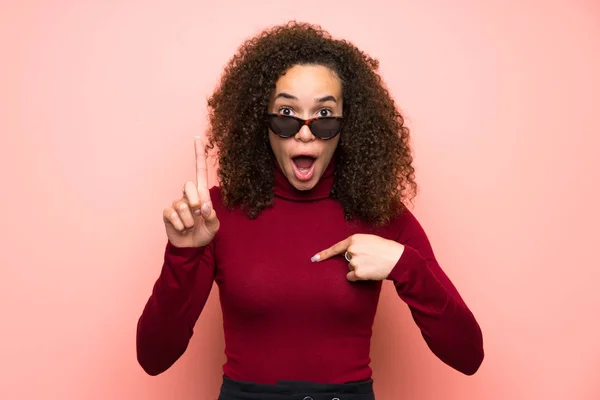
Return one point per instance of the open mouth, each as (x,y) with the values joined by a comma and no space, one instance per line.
(304,166)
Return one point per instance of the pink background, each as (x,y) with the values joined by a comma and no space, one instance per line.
(100,100)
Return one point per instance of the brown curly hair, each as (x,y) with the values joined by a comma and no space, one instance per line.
(373,174)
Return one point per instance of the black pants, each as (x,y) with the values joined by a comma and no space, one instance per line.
(295,390)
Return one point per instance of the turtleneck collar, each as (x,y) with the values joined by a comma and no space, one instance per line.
(284,189)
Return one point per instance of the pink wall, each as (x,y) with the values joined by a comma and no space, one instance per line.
(99,102)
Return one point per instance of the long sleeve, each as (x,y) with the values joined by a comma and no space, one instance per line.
(166,325)
(446,323)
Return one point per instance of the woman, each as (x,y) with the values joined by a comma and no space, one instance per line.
(309,219)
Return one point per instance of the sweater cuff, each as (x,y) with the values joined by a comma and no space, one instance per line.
(409,260)
(177,277)
(183,252)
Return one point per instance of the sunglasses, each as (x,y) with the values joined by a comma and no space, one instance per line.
(287,126)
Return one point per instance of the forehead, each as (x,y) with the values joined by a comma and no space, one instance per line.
(309,81)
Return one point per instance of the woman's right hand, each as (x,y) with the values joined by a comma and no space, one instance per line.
(191,220)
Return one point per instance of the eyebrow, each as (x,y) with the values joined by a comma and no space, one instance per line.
(288,96)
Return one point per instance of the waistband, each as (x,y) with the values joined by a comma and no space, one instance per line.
(296,390)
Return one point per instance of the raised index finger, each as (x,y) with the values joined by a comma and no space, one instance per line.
(337,248)
(201,170)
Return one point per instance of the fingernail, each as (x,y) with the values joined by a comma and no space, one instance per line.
(206,208)
(316,257)
(197,211)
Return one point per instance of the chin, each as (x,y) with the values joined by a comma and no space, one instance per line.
(303,185)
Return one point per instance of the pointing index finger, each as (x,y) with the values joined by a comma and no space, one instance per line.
(201,170)
(336,249)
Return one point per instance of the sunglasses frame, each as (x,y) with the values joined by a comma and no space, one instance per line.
(303,122)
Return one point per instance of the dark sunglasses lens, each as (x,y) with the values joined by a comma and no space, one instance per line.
(326,128)
(284,126)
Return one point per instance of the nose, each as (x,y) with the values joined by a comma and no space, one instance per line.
(304,134)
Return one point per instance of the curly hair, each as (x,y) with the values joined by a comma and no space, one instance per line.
(373,174)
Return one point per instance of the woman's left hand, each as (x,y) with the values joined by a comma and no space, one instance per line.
(371,257)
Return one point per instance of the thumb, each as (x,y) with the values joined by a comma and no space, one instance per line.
(210,218)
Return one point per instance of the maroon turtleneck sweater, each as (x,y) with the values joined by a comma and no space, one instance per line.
(286,318)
